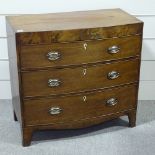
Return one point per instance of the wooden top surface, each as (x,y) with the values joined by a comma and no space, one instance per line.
(70,20)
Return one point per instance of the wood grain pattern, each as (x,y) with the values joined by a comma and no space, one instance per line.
(71,20)
(84,87)
(37,111)
(28,131)
(68,27)
(75,54)
(35,83)
(48,37)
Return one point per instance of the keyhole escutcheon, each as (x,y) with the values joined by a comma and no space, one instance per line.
(84,98)
(84,71)
(85,46)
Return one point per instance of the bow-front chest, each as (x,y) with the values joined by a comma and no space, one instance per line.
(73,70)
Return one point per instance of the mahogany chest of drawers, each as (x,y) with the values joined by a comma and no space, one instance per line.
(73,70)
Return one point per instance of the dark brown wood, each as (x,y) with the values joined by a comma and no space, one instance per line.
(27,136)
(71,20)
(84,123)
(132,118)
(32,38)
(84,106)
(80,123)
(75,26)
(75,54)
(81,96)
(73,80)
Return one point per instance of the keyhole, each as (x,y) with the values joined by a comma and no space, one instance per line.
(84,98)
(85,46)
(84,71)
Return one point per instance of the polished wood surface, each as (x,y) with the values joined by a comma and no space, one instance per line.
(76,54)
(32,38)
(71,20)
(85,86)
(84,106)
(29,130)
(73,79)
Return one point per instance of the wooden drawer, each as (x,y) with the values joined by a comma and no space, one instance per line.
(79,107)
(48,37)
(36,83)
(63,54)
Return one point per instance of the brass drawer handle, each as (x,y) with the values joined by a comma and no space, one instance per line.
(54,82)
(113,49)
(55,110)
(113,75)
(53,55)
(111,102)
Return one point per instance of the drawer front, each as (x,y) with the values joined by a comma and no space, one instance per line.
(60,81)
(48,37)
(63,54)
(80,107)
